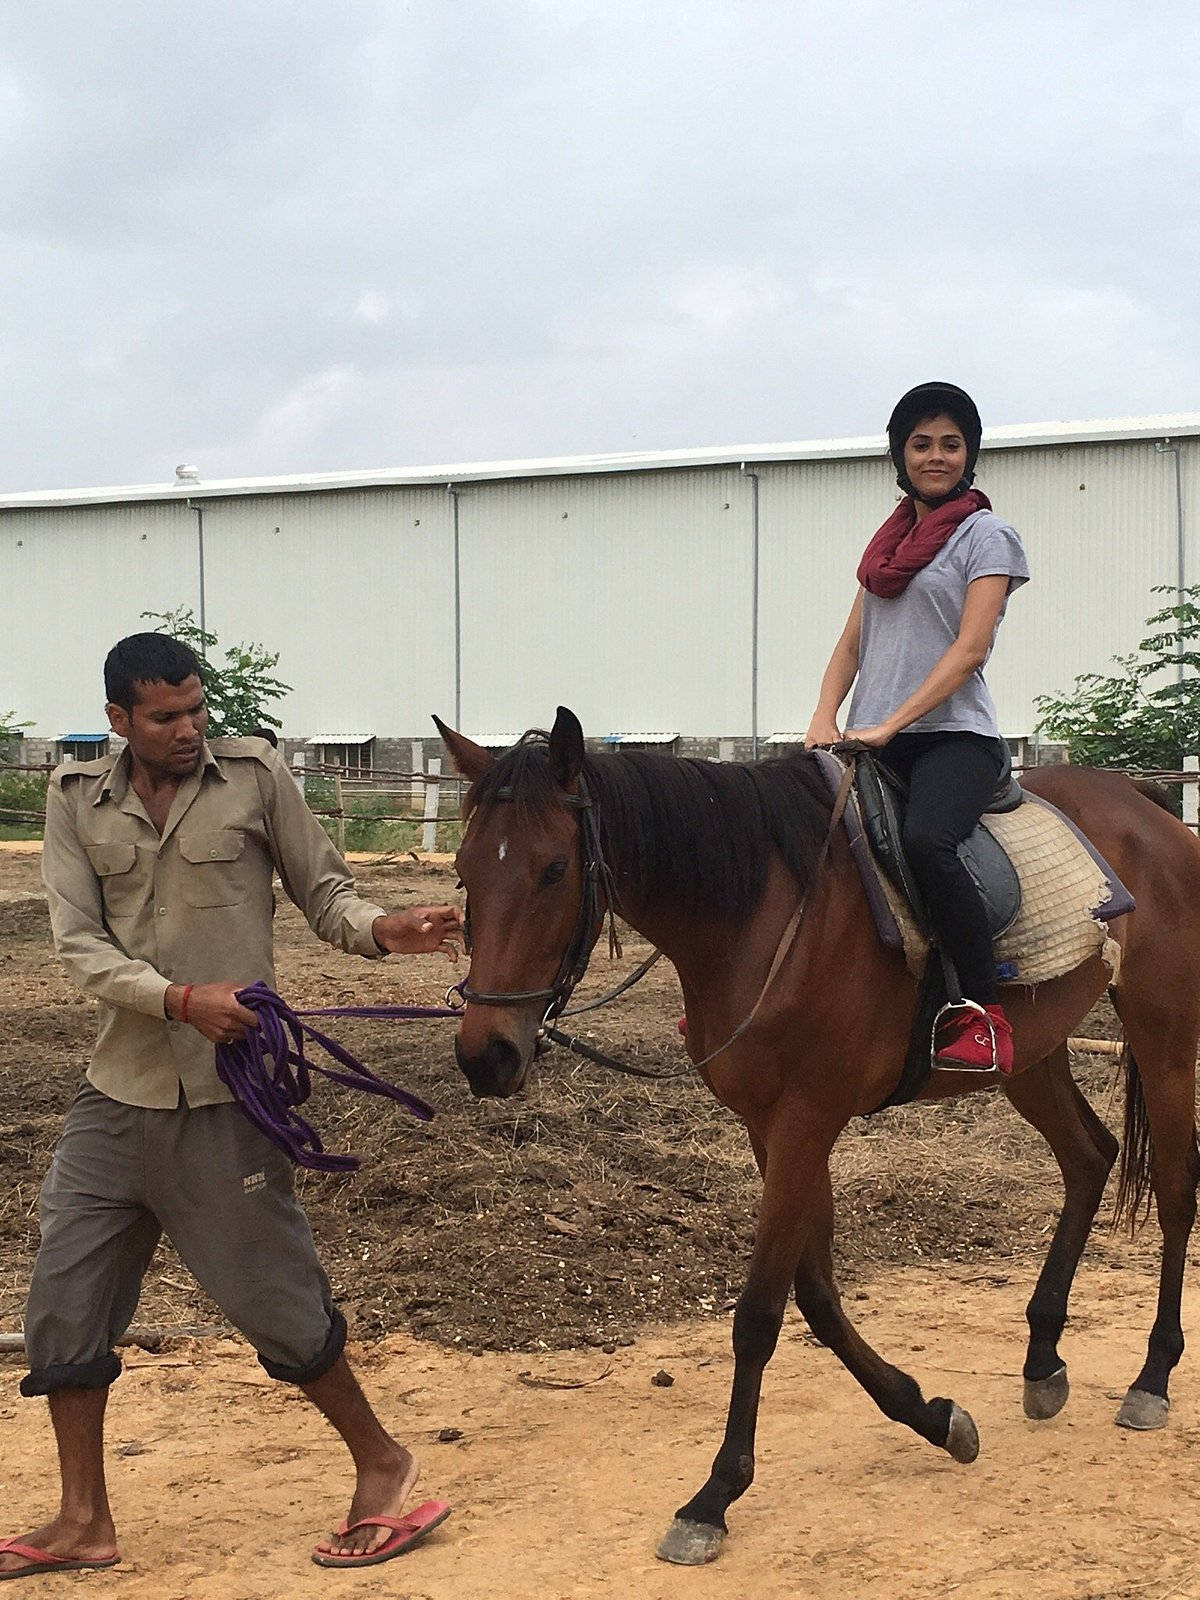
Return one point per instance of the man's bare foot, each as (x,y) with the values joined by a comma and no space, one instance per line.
(383,1488)
(73,1541)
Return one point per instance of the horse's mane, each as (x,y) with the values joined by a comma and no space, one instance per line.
(697,833)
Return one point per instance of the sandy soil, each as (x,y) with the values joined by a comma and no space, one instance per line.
(221,1481)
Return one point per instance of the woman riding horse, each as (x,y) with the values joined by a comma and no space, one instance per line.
(934,584)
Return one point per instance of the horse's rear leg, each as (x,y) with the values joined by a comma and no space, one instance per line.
(940,1421)
(794,1158)
(1160,1026)
(1049,1100)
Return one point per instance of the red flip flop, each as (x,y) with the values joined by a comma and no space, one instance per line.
(47,1561)
(408,1530)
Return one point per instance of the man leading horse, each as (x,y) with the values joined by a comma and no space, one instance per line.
(158,866)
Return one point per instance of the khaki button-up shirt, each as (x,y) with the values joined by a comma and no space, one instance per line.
(133,912)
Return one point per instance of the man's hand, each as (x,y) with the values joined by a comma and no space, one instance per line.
(419,931)
(213,1009)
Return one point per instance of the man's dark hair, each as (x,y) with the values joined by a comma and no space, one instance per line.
(145,658)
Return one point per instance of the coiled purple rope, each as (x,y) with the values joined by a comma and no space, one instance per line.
(269,1091)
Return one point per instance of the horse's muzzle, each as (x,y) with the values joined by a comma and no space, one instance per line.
(498,1071)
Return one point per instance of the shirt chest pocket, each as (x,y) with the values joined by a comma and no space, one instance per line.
(215,874)
(124,891)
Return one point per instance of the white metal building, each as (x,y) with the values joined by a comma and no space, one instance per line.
(697,592)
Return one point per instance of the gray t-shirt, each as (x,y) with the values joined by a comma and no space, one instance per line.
(904,638)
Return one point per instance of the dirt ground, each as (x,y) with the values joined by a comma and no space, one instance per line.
(595,1231)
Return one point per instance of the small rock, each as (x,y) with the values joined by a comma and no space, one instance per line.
(662,1379)
(135,1447)
(609,1349)
(449,1435)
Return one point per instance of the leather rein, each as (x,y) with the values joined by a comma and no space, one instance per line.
(599,900)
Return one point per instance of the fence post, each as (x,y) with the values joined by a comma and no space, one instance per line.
(299,762)
(433,794)
(416,798)
(1191,793)
(341,811)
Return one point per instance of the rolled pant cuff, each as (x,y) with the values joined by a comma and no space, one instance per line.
(96,1374)
(317,1368)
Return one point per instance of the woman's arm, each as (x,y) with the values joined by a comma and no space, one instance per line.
(985,597)
(835,685)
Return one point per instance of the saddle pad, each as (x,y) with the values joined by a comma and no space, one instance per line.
(1068,893)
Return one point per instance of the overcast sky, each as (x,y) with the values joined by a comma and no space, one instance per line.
(324,234)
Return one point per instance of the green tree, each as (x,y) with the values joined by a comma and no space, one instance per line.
(10,732)
(1147,713)
(240,691)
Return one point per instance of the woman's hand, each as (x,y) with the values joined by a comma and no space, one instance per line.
(873,738)
(822,730)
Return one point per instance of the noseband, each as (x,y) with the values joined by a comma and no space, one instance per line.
(598,900)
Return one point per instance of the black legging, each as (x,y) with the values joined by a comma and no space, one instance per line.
(951,777)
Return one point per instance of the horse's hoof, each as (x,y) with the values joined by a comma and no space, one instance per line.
(1143,1411)
(690,1544)
(1045,1397)
(962,1440)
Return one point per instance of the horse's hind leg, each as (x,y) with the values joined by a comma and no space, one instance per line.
(1160,1020)
(1049,1100)
(896,1394)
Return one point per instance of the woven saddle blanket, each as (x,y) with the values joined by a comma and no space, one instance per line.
(1069,893)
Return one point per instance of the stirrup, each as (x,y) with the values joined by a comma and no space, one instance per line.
(948,1009)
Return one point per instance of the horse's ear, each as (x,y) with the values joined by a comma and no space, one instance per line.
(566,747)
(470,760)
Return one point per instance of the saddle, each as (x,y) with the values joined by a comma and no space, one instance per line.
(882,799)
(1049,894)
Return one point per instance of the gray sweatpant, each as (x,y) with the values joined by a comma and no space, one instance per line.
(223,1194)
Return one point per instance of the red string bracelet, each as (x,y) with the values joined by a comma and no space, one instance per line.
(183,1002)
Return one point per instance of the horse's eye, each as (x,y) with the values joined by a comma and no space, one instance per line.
(554,873)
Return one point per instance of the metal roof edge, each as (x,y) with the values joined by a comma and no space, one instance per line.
(1007,437)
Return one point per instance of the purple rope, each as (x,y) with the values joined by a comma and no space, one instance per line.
(270,1091)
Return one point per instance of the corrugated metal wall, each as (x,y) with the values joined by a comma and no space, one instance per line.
(73,582)
(354,589)
(627,596)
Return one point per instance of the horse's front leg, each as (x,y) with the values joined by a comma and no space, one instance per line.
(796,1155)
(940,1421)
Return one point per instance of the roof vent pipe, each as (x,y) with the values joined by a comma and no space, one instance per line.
(187,474)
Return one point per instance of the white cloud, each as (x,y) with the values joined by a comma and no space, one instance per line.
(298,418)
(372,307)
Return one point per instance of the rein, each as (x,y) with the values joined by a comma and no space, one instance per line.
(269,1094)
(791,933)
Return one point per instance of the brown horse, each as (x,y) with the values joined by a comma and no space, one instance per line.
(709,862)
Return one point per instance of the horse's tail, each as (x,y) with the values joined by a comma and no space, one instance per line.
(1137,1151)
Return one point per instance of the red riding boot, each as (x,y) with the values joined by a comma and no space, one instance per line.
(977,1039)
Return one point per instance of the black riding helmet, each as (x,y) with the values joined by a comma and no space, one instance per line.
(931,400)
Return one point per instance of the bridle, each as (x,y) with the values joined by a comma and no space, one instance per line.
(598,882)
(598,900)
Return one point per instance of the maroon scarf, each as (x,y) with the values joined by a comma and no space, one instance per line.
(903,545)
